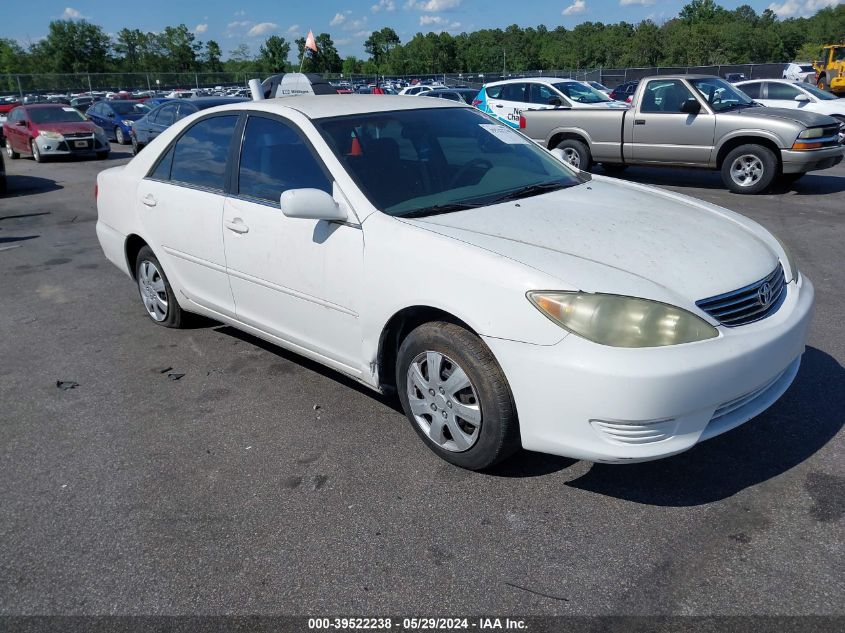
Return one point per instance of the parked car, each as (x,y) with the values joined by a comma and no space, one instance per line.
(625,91)
(2,175)
(163,116)
(464,95)
(595,85)
(46,130)
(570,324)
(800,71)
(783,93)
(735,77)
(117,117)
(83,103)
(415,90)
(506,100)
(694,121)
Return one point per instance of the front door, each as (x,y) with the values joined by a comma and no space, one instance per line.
(295,279)
(663,133)
(181,205)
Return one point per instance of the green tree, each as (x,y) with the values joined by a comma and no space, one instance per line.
(273,55)
(351,66)
(180,47)
(72,46)
(380,43)
(211,57)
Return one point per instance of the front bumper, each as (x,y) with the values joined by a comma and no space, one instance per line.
(605,404)
(71,145)
(800,162)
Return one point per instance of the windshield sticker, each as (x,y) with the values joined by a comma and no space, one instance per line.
(69,109)
(506,135)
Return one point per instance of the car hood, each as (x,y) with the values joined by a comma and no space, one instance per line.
(804,117)
(607,237)
(67,128)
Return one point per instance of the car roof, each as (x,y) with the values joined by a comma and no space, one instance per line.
(541,80)
(772,80)
(325,106)
(41,106)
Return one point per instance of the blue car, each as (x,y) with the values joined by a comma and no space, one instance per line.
(117,117)
(163,116)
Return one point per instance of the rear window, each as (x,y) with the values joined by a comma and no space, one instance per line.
(494,92)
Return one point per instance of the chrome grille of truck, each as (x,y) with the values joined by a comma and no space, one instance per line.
(748,304)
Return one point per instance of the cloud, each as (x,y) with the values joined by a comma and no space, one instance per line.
(343,41)
(362,34)
(383,5)
(199,29)
(238,25)
(338,19)
(630,3)
(293,28)
(356,25)
(578,6)
(433,6)
(800,8)
(262,29)
(72,14)
(425,20)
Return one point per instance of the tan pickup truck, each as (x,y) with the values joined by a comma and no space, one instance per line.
(693,121)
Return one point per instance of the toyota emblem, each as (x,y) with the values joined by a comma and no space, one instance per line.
(764,294)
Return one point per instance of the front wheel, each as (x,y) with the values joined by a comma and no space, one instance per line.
(576,154)
(157,295)
(456,396)
(822,83)
(749,169)
(135,147)
(12,154)
(119,136)
(36,153)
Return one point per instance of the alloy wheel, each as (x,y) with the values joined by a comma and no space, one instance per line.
(746,170)
(443,401)
(572,157)
(153,290)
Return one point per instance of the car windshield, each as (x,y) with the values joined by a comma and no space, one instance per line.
(56,115)
(597,85)
(721,95)
(824,95)
(128,107)
(428,161)
(580,93)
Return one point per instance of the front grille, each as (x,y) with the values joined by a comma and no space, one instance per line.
(87,135)
(749,304)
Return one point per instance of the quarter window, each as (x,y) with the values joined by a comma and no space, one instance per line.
(199,156)
(275,158)
(166,115)
(514,92)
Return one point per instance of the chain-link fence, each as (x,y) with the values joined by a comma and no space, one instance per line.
(23,84)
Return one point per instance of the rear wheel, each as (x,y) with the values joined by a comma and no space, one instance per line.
(576,154)
(456,396)
(822,83)
(156,294)
(12,154)
(749,169)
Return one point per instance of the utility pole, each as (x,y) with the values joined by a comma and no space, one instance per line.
(504,57)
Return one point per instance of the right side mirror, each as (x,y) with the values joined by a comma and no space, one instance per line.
(555,101)
(801,98)
(311,204)
(691,106)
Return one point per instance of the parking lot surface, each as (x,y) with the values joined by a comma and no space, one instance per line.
(262,483)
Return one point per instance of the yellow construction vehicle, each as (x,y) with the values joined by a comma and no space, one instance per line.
(831,68)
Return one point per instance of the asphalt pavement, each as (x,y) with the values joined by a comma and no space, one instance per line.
(262,483)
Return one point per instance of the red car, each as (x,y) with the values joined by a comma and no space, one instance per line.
(44,130)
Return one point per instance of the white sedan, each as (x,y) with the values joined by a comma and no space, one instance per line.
(419,246)
(795,95)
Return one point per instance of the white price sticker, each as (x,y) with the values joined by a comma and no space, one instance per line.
(504,134)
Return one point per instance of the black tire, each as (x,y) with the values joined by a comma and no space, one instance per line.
(36,153)
(102,155)
(498,434)
(119,136)
(766,160)
(12,154)
(612,169)
(175,316)
(135,147)
(822,83)
(585,159)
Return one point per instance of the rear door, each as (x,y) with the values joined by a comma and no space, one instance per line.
(507,101)
(662,133)
(780,95)
(180,204)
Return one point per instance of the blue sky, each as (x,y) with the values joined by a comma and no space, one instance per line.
(235,22)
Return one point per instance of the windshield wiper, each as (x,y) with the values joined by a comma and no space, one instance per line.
(439,209)
(532,190)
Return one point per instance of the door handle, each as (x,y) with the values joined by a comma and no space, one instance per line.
(236,226)
(639,121)
(499,105)
(149,200)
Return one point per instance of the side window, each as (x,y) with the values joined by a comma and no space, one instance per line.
(514,92)
(782,91)
(94,109)
(664,95)
(199,156)
(494,92)
(162,170)
(184,109)
(752,90)
(275,158)
(166,115)
(541,93)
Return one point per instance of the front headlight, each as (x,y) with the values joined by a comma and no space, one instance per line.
(128,122)
(51,135)
(621,321)
(791,262)
(813,132)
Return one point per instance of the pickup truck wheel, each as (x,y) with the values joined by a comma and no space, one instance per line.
(749,169)
(576,154)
